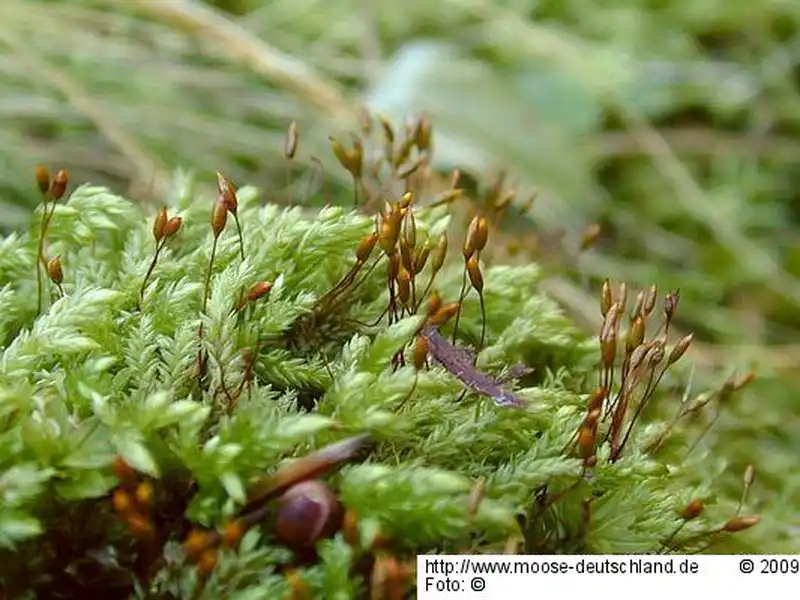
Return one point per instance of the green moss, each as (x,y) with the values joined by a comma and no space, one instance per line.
(100,373)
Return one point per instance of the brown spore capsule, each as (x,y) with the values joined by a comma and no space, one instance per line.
(365,246)
(125,473)
(173,226)
(219,217)
(477,236)
(144,495)
(444,314)
(474,272)
(58,187)
(54,270)
(159,224)
(122,502)
(740,523)
(259,290)
(434,303)
(42,179)
(227,193)
(208,561)
(196,542)
(606,299)
(233,533)
(420,352)
(692,510)
(292,138)
(404,286)
(439,253)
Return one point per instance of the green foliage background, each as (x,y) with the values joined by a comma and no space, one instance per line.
(102,374)
(674,125)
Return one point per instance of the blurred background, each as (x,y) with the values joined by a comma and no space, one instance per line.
(673,125)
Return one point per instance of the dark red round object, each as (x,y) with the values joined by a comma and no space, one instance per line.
(307,513)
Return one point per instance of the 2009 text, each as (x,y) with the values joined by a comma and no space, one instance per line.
(784,566)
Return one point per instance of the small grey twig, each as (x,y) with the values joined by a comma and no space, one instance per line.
(459,363)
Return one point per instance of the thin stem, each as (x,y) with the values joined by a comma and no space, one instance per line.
(483,326)
(665,544)
(342,284)
(573,438)
(681,412)
(326,361)
(289,185)
(151,268)
(714,539)
(651,387)
(346,281)
(702,435)
(608,384)
(201,357)
(40,261)
(392,304)
(743,497)
(656,446)
(224,387)
(239,231)
(548,502)
(320,169)
(426,290)
(247,376)
(208,274)
(50,214)
(374,323)
(410,393)
(460,302)
(617,419)
(712,535)
(337,298)
(39,267)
